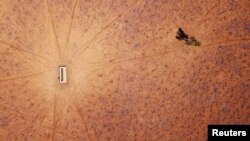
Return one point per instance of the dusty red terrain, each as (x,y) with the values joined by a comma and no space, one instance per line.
(129,78)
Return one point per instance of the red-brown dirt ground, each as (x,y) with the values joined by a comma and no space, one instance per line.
(129,78)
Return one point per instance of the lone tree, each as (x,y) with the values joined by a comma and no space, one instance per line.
(181,35)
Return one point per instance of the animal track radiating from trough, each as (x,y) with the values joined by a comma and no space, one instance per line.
(86,45)
(54,30)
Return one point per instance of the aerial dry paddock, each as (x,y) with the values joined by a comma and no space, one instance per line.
(132,75)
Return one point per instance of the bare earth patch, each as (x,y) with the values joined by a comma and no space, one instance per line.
(129,78)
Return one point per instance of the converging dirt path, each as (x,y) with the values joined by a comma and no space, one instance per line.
(129,78)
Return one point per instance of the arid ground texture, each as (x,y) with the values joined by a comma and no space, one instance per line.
(128,77)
